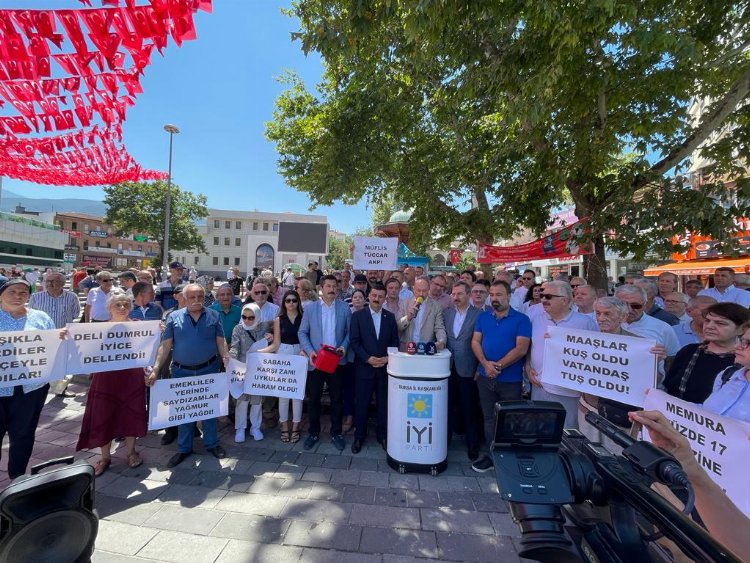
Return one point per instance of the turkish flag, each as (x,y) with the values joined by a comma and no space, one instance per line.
(69,20)
(50,87)
(72,84)
(38,47)
(455,256)
(84,115)
(67,63)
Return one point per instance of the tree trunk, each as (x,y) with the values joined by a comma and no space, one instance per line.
(595,265)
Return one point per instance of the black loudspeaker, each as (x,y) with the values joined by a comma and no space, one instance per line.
(49,517)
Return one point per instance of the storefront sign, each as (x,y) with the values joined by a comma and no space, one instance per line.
(98,234)
(98,261)
(73,234)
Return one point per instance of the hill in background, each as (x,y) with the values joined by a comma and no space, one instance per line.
(42,204)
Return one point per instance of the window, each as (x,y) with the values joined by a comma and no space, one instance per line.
(85,245)
(109,245)
(195,260)
(226,241)
(238,225)
(73,225)
(227,224)
(216,225)
(96,243)
(238,241)
(265,226)
(215,261)
(275,227)
(86,227)
(226,261)
(216,241)
(140,248)
(236,261)
(255,226)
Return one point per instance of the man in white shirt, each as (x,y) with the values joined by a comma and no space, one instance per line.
(584,298)
(528,278)
(724,290)
(676,303)
(268,311)
(96,310)
(557,301)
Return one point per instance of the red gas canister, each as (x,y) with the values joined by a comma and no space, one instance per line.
(327,359)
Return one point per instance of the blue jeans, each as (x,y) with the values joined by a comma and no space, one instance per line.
(185,432)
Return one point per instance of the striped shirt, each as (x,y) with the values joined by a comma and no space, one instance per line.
(62,310)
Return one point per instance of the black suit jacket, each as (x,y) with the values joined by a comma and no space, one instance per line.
(365,344)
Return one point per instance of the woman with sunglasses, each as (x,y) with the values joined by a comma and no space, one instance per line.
(116,403)
(248,336)
(693,371)
(286,341)
(730,395)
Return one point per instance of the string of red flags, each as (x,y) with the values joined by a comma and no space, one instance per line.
(67,79)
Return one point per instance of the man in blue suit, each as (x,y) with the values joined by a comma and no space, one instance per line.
(325,322)
(373,331)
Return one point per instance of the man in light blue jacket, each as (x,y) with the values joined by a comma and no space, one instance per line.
(325,322)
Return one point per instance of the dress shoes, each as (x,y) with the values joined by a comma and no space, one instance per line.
(356,446)
(177,459)
(170,435)
(218,452)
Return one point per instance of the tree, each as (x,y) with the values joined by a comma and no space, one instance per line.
(139,207)
(485,115)
(338,252)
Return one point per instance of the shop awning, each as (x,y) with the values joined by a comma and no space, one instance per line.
(700,267)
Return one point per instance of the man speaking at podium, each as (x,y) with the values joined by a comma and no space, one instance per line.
(423,321)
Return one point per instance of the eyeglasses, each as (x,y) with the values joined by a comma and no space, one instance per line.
(122,305)
(635,306)
(673,302)
(479,291)
(105,281)
(290,301)
(742,343)
(575,285)
(260,292)
(528,279)
(550,297)
(248,318)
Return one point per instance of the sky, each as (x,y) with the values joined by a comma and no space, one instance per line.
(219,91)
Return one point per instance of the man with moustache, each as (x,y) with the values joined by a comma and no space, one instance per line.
(459,323)
(325,321)
(557,302)
(373,331)
(500,343)
(438,285)
(423,320)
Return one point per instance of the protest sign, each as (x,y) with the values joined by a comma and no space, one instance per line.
(112,346)
(375,253)
(186,399)
(606,365)
(236,371)
(31,356)
(720,444)
(276,375)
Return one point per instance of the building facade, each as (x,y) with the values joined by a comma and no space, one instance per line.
(28,241)
(92,243)
(246,239)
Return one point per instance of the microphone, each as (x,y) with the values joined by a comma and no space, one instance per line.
(420,300)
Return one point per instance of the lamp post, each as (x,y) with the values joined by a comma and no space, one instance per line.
(172,130)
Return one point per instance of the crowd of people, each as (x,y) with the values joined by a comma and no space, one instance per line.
(494,328)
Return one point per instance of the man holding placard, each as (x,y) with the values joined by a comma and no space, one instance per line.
(195,336)
(557,301)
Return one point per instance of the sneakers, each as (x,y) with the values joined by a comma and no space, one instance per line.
(239,435)
(257,434)
(310,442)
(483,465)
(338,442)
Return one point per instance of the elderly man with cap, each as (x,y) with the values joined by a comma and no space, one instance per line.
(166,289)
(195,337)
(360,282)
(63,307)
(20,406)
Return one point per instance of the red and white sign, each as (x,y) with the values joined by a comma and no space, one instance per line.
(560,244)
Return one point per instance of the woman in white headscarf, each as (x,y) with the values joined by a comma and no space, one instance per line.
(248,336)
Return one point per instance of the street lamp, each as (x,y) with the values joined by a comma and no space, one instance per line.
(172,130)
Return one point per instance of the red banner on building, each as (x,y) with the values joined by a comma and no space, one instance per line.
(560,244)
(455,256)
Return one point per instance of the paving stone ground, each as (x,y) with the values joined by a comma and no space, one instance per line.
(269,501)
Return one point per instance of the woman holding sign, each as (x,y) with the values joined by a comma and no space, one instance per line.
(286,341)
(248,336)
(692,373)
(116,403)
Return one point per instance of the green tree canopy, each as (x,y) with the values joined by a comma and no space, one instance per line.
(484,115)
(338,252)
(139,207)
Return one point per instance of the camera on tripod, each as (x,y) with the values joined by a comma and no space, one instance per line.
(574,500)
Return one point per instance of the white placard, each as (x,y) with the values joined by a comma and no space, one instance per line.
(276,375)
(111,346)
(615,367)
(236,372)
(186,399)
(375,253)
(31,356)
(720,443)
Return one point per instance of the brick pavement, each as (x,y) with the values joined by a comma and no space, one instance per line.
(272,501)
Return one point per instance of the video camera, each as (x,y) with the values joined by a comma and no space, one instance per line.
(574,500)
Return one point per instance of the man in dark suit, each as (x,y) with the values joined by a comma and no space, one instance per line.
(463,399)
(373,330)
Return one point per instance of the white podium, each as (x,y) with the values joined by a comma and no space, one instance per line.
(418,411)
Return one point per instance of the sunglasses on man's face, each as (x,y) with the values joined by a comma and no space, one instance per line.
(247,318)
(260,292)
